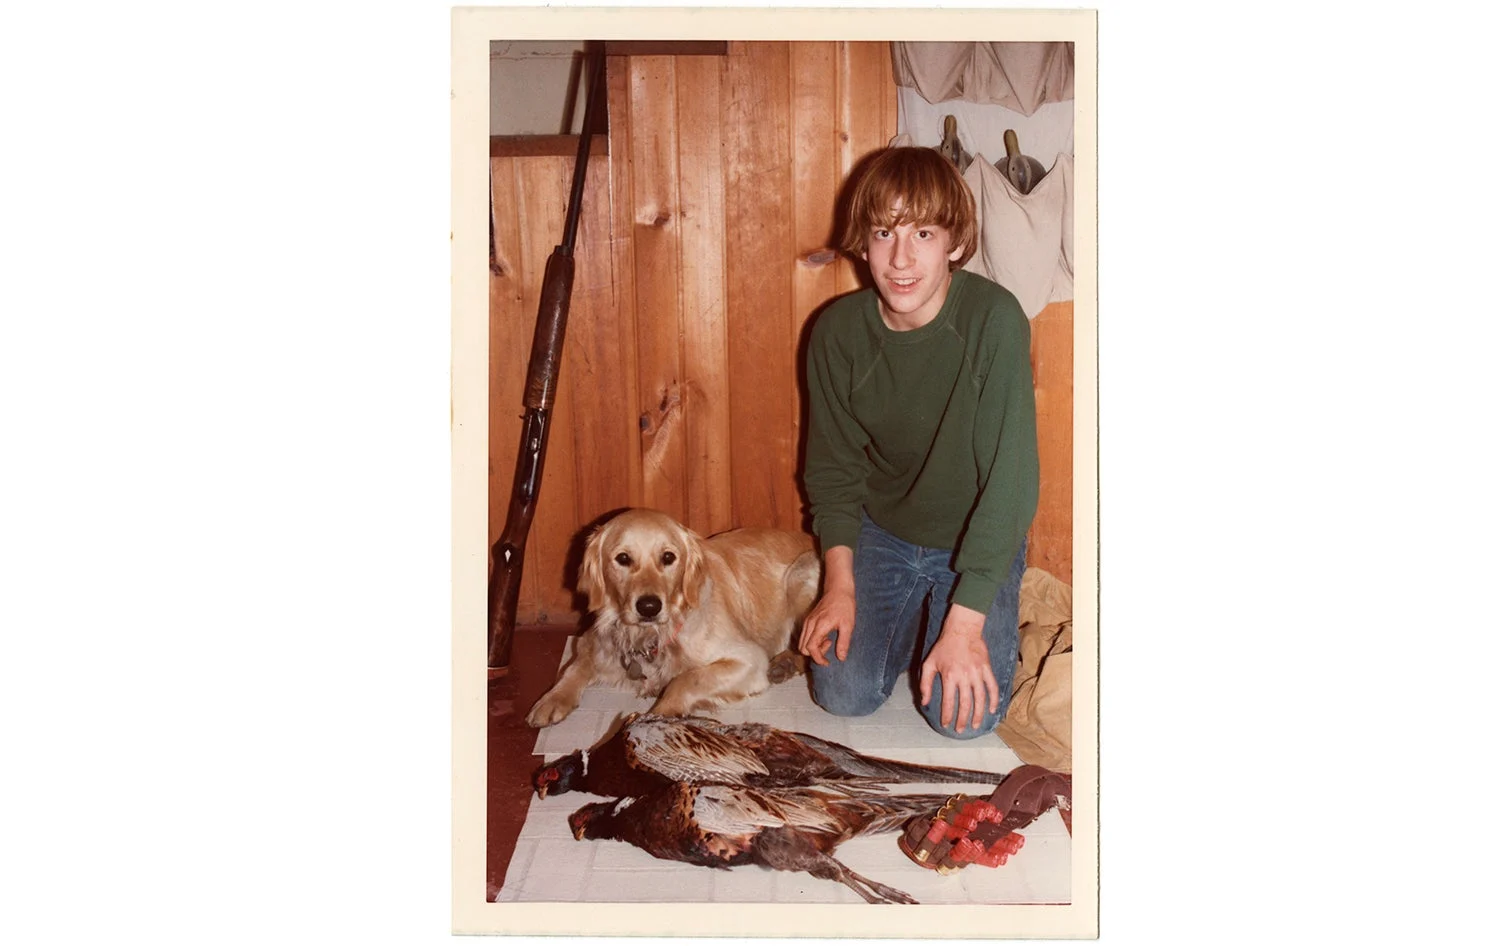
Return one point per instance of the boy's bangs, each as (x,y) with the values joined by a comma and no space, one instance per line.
(924,199)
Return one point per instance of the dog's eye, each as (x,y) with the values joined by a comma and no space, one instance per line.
(623,558)
(668,558)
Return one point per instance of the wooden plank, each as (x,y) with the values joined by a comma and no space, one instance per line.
(1051,545)
(864,83)
(535,146)
(656,230)
(707,434)
(816,177)
(510,344)
(543,185)
(760,253)
(622,272)
(886,91)
(595,367)
(513,309)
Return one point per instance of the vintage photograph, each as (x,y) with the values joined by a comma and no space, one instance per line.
(775,512)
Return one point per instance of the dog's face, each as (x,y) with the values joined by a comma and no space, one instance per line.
(642,569)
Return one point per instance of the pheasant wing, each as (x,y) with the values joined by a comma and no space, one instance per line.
(734,810)
(684,752)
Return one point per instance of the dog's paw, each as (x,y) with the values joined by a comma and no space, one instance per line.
(548,710)
(786,665)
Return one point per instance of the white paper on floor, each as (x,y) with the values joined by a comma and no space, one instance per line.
(549,865)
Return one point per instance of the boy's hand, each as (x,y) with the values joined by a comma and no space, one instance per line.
(961,658)
(833,612)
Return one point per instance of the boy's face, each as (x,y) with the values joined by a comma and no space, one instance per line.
(910,265)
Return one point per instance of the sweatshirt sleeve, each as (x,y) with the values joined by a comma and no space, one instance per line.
(1006,453)
(837,466)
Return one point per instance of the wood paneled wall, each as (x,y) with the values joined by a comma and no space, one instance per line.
(704,247)
(1051,538)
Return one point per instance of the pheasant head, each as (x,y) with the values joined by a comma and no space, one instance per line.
(597,820)
(560,775)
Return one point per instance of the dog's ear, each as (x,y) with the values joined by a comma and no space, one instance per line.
(591,571)
(694,575)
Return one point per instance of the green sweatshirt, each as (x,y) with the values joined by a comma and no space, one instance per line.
(932,431)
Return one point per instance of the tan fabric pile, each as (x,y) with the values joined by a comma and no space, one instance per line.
(1038,727)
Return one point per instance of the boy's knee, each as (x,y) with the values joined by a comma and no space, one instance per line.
(837,696)
(988,722)
(986,726)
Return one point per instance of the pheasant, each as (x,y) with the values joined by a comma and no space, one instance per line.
(723,826)
(649,751)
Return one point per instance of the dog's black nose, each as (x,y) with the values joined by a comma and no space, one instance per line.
(648,606)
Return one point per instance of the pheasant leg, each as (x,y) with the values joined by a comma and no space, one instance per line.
(872,890)
(789,850)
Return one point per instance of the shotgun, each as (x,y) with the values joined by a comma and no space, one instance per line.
(509,551)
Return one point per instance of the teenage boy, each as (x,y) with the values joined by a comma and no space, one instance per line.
(921,458)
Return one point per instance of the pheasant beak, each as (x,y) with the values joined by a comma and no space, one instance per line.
(544,780)
(579,821)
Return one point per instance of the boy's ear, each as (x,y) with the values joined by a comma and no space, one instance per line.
(957,252)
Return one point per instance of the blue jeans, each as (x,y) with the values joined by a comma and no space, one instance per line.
(893,580)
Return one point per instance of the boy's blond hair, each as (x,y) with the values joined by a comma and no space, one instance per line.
(928,187)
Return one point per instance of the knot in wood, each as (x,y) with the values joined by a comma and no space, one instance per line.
(654,217)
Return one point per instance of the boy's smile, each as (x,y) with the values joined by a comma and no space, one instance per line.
(909,263)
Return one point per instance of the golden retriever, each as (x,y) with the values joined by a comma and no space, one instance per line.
(694,622)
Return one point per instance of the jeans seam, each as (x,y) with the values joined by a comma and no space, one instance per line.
(885,661)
